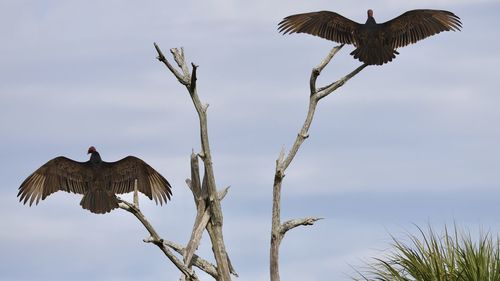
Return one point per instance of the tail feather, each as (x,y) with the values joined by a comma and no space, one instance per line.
(99,201)
(374,56)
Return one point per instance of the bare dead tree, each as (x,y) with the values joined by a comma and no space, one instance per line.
(207,200)
(278,229)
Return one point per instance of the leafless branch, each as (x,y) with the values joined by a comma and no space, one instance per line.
(214,225)
(174,71)
(278,230)
(290,224)
(178,55)
(317,70)
(201,222)
(156,239)
(193,78)
(326,90)
(203,215)
(197,261)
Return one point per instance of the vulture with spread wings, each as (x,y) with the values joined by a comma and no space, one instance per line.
(375,43)
(98,181)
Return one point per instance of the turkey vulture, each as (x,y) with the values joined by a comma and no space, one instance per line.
(97,180)
(375,43)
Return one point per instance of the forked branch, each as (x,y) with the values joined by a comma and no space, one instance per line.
(214,226)
(207,199)
(190,258)
(278,230)
(156,239)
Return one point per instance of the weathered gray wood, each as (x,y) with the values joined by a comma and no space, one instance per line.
(290,224)
(156,239)
(278,230)
(203,214)
(202,264)
(216,217)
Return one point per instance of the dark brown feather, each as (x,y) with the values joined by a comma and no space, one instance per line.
(122,174)
(416,25)
(59,173)
(376,44)
(325,24)
(97,180)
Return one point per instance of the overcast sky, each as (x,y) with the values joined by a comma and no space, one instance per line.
(412,142)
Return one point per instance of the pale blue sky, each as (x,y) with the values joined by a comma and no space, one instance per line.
(413,141)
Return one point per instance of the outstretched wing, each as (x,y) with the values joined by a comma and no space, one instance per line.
(59,173)
(123,173)
(325,24)
(416,25)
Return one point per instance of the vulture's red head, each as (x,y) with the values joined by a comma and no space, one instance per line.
(91,150)
(370,13)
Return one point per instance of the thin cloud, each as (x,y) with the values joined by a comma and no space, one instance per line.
(75,74)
